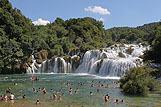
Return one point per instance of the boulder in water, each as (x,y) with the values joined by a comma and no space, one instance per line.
(120,54)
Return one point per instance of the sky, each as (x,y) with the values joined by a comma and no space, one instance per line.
(113,13)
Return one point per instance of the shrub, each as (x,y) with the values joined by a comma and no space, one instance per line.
(138,81)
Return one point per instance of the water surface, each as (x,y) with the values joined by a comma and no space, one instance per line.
(21,84)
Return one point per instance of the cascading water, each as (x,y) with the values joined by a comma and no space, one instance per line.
(113,61)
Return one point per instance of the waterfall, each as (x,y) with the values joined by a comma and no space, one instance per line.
(32,68)
(112,61)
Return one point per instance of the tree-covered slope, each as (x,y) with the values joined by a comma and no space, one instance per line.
(13,27)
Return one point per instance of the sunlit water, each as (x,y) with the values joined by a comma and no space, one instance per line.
(21,84)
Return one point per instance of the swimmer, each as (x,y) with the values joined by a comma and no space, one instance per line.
(44,90)
(1,97)
(91,93)
(33,89)
(97,90)
(70,91)
(76,90)
(106,98)
(54,96)
(8,90)
(92,85)
(34,78)
(15,83)
(37,101)
(116,101)
(122,101)
(24,96)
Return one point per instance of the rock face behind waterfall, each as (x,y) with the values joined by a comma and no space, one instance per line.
(112,61)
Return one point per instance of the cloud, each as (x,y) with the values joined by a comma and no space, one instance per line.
(98,9)
(40,22)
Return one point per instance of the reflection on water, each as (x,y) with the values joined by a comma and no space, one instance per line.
(76,90)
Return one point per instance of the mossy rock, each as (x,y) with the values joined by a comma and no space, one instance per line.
(129,50)
(120,54)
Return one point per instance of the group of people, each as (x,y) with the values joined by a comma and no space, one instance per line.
(107,99)
(69,88)
(8,96)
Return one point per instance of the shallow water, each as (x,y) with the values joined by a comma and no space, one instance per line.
(21,84)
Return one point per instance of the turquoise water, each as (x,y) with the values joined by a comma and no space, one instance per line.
(21,84)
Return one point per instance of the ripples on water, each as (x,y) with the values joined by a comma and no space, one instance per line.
(57,82)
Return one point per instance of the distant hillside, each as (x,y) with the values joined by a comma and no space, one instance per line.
(145,34)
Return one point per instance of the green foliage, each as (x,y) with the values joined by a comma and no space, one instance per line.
(13,28)
(154,54)
(138,81)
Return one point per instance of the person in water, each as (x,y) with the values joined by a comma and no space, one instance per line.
(106,98)
(122,101)
(54,97)
(8,90)
(44,90)
(1,97)
(34,78)
(70,91)
(12,97)
(76,91)
(37,101)
(116,101)
(24,96)
(34,90)
(91,93)
(5,97)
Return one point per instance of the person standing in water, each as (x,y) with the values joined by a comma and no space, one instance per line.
(106,98)
(70,91)
(12,97)
(37,101)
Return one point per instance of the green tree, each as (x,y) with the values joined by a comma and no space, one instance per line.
(138,81)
